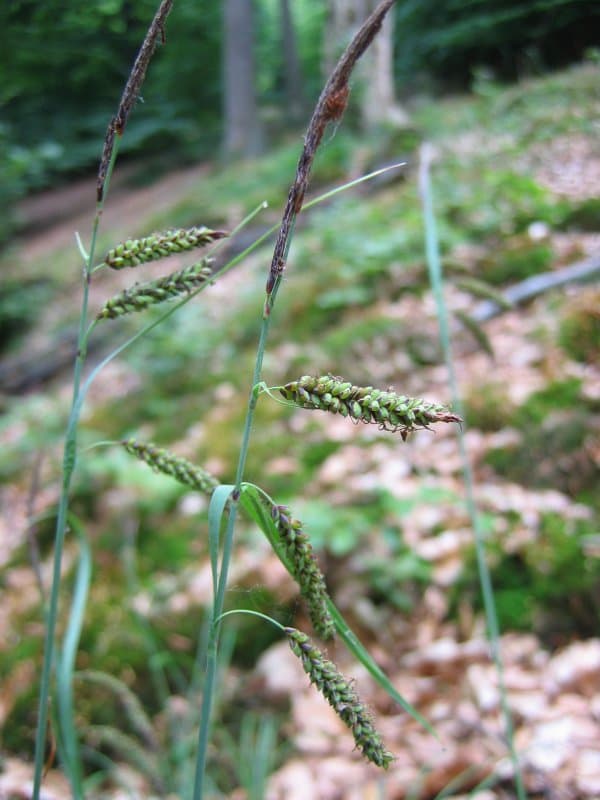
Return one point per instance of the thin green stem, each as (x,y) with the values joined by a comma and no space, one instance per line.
(217,610)
(69,458)
(435,274)
(251,613)
(355,182)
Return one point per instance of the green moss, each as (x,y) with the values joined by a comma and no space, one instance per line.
(558,395)
(555,424)
(515,602)
(579,331)
(18,730)
(551,455)
(583,216)
(21,303)
(339,530)
(487,407)
(550,586)
(515,260)
(480,201)
(358,331)
(167,544)
(398,579)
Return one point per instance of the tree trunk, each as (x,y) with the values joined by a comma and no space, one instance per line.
(243,132)
(291,65)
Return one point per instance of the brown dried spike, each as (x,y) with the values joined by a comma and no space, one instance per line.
(336,103)
(330,107)
(131,91)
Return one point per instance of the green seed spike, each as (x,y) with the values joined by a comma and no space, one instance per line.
(143,295)
(159,245)
(169,464)
(341,696)
(391,411)
(306,570)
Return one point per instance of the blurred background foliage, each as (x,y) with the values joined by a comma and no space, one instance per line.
(448,40)
(64,65)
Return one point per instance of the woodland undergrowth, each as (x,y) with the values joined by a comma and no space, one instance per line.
(182,760)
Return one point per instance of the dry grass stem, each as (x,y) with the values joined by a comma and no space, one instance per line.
(131,91)
(330,108)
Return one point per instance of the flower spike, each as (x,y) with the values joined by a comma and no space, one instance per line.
(159,245)
(341,696)
(306,570)
(392,412)
(143,295)
(169,464)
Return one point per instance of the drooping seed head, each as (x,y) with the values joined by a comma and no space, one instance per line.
(391,411)
(341,696)
(306,570)
(168,463)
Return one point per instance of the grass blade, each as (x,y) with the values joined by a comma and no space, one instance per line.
(65,664)
(218,501)
(436,278)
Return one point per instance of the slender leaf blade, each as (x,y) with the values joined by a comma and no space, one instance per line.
(218,501)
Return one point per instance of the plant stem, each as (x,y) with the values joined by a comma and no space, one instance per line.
(217,610)
(329,108)
(69,459)
(435,274)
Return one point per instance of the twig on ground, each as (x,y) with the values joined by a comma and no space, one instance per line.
(578,272)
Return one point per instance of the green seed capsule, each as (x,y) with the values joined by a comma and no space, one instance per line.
(304,395)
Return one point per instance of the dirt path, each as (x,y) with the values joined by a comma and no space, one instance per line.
(53,216)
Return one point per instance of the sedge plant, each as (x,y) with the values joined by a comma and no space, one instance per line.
(391,412)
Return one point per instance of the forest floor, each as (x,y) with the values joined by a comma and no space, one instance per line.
(517,186)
